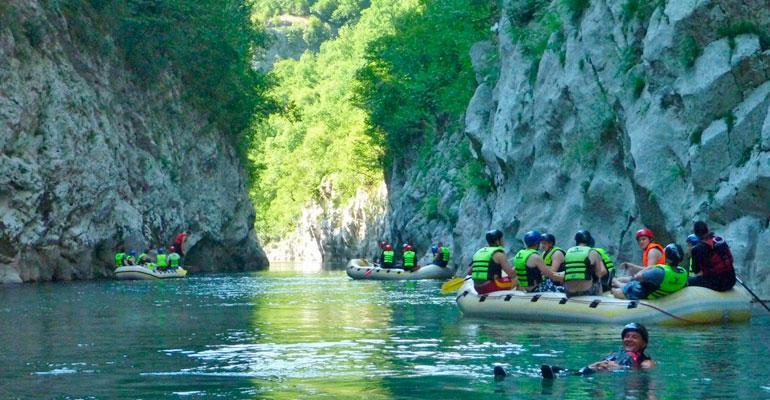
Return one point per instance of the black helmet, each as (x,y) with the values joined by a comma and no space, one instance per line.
(674,253)
(638,328)
(493,236)
(583,236)
(547,237)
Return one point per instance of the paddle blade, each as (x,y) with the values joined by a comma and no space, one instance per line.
(452,285)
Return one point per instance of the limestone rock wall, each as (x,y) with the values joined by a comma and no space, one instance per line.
(327,236)
(92,160)
(628,122)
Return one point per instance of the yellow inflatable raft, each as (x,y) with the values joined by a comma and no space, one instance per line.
(691,305)
(359,268)
(143,273)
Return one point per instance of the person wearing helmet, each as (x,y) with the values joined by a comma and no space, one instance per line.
(161,260)
(488,265)
(652,255)
(442,255)
(530,267)
(552,256)
(180,240)
(120,257)
(131,258)
(173,258)
(712,261)
(634,337)
(583,267)
(386,260)
(692,240)
(143,258)
(410,258)
(659,281)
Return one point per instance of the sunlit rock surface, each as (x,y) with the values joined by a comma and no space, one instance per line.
(610,140)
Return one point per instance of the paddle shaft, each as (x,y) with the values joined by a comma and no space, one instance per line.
(752,293)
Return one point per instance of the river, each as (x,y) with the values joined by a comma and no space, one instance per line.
(284,335)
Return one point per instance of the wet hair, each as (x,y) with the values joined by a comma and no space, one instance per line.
(700,229)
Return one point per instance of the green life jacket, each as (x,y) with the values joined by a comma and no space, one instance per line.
(576,264)
(387,256)
(142,258)
(673,280)
(547,256)
(160,260)
(119,257)
(173,260)
(520,263)
(409,257)
(483,268)
(130,260)
(445,253)
(606,258)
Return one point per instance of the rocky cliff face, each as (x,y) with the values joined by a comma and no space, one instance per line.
(328,236)
(92,161)
(629,120)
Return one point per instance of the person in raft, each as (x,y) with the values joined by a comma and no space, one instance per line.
(441,255)
(652,255)
(387,258)
(488,265)
(532,272)
(692,240)
(120,257)
(410,258)
(583,267)
(174,258)
(712,261)
(658,281)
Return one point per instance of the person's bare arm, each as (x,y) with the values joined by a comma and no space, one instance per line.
(631,268)
(536,260)
(500,259)
(653,257)
(647,364)
(600,270)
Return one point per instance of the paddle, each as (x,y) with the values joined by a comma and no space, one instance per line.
(453,285)
(752,293)
(369,272)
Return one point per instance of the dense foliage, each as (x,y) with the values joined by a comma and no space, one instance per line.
(208,44)
(317,148)
(418,81)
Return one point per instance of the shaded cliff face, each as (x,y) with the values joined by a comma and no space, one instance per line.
(91,161)
(629,121)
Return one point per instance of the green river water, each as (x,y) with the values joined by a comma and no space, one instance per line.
(293,336)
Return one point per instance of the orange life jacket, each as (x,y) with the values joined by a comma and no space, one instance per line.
(651,246)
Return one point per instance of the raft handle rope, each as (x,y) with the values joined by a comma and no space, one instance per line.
(507,298)
(535,298)
(595,303)
(633,304)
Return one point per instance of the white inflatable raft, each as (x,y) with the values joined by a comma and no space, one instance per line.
(359,268)
(691,305)
(141,272)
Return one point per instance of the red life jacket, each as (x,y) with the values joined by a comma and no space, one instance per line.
(720,257)
(651,246)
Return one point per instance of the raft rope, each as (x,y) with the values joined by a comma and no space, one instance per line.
(592,304)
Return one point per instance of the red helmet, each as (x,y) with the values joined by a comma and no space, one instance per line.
(388,247)
(409,247)
(644,232)
(171,248)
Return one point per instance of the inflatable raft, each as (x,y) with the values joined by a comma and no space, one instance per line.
(361,269)
(691,305)
(141,272)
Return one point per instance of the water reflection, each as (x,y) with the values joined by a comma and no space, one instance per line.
(287,336)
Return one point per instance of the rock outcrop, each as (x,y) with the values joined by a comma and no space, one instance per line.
(93,160)
(630,120)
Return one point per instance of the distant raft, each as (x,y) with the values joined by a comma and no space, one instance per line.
(689,306)
(142,272)
(359,268)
